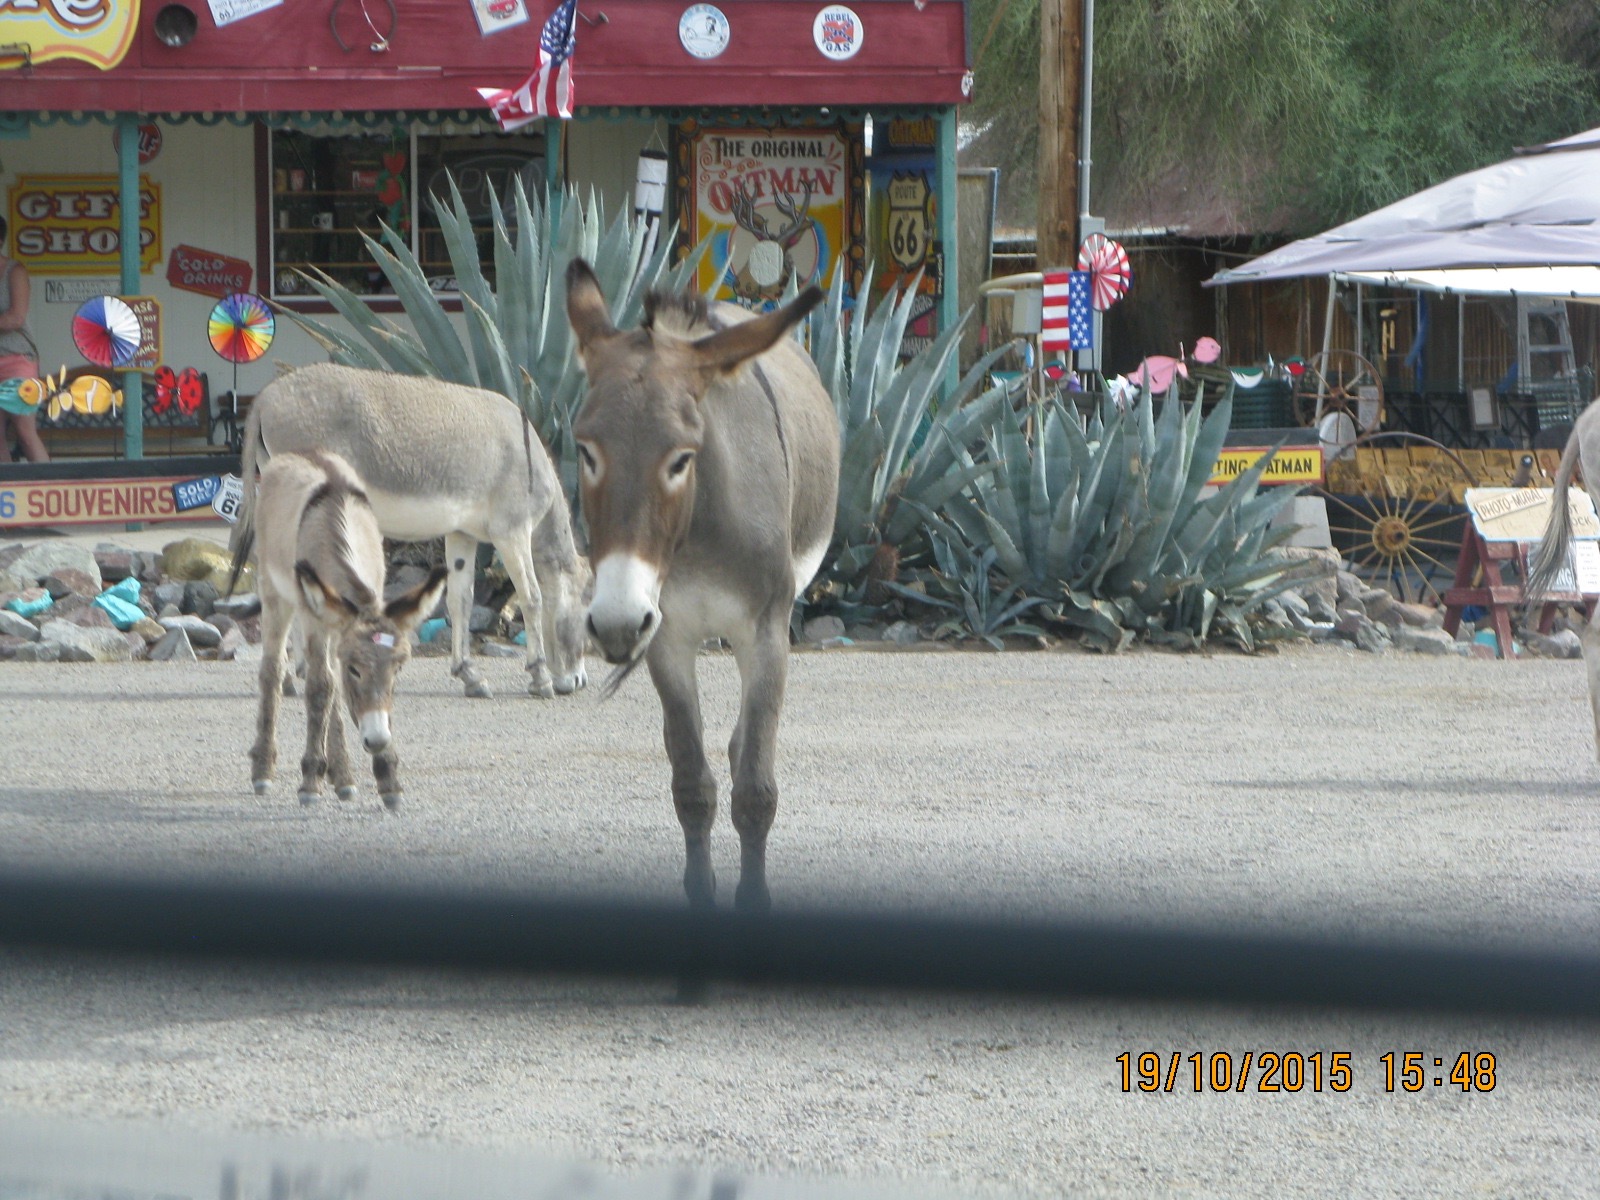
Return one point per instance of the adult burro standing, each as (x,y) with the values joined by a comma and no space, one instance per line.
(709,469)
(442,460)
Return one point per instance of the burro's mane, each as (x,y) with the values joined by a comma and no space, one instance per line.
(678,314)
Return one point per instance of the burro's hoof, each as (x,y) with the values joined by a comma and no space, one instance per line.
(309,798)
(262,786)
(391,800)
(544,691)
(348,792)
(567,684)
(479,690)
(476,686)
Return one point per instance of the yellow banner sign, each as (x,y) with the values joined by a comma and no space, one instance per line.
(1291,464)
(72,224)
(96,31)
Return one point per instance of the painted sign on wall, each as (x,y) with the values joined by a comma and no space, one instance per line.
(192,269)
(95,31)
(72,224)
(903,221)
(90,501)
(148,310)
(781,205)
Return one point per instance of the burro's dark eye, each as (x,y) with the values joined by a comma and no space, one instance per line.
(586,456)
(680,464)
(355,671)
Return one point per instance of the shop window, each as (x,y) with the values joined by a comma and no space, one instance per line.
(328,187)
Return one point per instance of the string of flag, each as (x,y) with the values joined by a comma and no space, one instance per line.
(550,89)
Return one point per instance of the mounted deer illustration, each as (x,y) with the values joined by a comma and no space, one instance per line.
(320,556)
(769,265)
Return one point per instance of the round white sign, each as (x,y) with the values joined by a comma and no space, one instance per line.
(838,32)
(703,30)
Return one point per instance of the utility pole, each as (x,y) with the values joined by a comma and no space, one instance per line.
(1060,96)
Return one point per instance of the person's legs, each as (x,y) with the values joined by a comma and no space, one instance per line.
(28,435)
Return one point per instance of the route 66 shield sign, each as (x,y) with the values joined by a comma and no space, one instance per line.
(910,222)
(226,502)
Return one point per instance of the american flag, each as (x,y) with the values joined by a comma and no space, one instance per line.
(1067,320)
(550,88)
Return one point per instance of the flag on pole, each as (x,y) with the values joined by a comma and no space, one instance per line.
(550,88)
(1067,320)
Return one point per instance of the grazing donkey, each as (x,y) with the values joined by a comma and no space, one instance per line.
(1554,550)
(320,555)
(709,468)
(442,460)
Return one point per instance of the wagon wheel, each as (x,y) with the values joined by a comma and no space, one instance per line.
(1345,382)
(1400,529)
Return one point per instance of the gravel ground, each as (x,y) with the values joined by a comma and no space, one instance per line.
(1317,789)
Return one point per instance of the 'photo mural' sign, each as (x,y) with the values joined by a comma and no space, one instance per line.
(781,206)
(96,31)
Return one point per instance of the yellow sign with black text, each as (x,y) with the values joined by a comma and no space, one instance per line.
(96,31)
(1290,464)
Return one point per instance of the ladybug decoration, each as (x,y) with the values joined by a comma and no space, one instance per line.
(181,387)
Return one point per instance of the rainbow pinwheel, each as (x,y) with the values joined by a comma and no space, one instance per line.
(241,327)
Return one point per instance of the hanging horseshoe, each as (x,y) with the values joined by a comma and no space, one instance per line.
(381,45)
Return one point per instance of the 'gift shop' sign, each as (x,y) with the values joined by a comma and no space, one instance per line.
(72,224)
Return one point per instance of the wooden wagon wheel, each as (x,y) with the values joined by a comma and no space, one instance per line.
(1402,530)
(1344,382)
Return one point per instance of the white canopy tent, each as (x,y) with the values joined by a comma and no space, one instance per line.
(1527,226)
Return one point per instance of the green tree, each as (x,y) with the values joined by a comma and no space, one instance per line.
(1278,116)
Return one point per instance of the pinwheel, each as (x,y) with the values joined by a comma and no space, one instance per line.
(1109,272)
(106,331)
(241,327)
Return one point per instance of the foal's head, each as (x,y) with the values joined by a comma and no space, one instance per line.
(371,643)
(638,433)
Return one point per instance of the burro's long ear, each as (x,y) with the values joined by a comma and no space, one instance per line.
(727,348)
(586,306)
(325,603)
(411,608)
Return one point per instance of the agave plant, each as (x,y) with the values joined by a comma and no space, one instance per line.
(517,331)
(899,439)
(962,583)
(1109,522)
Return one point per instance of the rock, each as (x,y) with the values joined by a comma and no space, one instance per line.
(45,558)
(251,628)
(1294,604)
(1325,586)
(864,633)
(150,630)
(168,610)
(403,577)
(232,639)
(1421,616)
(246,653)
(1320,608)
(174,647)
(116,562)
(1466,631)
(222,623)
(1364,632)
(199,597)
(1423,640)
(820,629)
(1322,631)
(1273,614)
(500,650)
(167,593)
(902,633)
(483,619)
(1565,644)
(90,617)
(1347,586)
(241,604)
(78,643)
(194,559)
(1479,650)
(833,643)
(68,606)
(1380,606)
(40,651)
(11,625)
(69,581)
(201,633)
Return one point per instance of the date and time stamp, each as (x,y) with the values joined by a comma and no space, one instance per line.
(1268,1071)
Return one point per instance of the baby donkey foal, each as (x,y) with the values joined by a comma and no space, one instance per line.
(320,558)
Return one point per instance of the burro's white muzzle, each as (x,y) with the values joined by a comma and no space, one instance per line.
(375,733)
(626,611)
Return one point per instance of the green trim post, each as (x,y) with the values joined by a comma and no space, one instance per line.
(944,184)
(132,382)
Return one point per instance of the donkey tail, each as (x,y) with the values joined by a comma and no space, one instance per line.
(1554,551)
(252,457)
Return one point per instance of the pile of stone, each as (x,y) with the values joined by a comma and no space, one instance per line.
(60,602)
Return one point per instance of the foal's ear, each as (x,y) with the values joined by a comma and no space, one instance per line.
(586,306)
(724,350)
(325,603)
(411,608)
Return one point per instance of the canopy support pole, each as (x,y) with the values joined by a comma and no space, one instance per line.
(128,197)
(1327,342)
